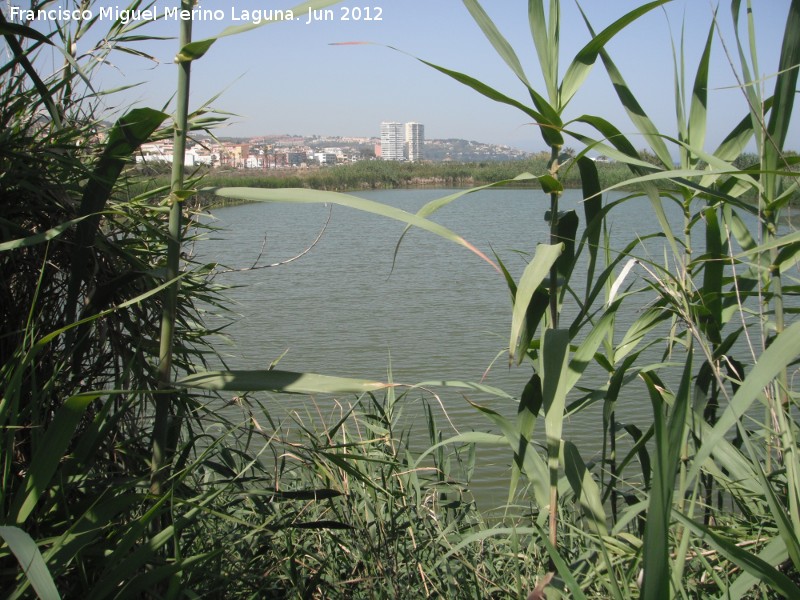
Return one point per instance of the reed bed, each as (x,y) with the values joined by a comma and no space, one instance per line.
(369,175)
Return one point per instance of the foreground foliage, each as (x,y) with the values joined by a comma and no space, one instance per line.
(130,470)
(713,508)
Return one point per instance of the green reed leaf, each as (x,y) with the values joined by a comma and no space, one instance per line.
(750,77)
(564,570)
(107,511)
(566,232)
(469,437)
(504,49)
(687,177)
(550,127)
(48,454)
(783,350)
(465,385)
(785,88)
(669,434)
(545,38)
(585,488)
(42,237)
(554,357)
(786,525)
(621,148)
(713,272)
(734,144)
(496,38)
(194,50)
(639,450)
(751,563)
(549,121)
(636,333)
(49,337)
(585,351)
(730,463)
(303,196)
(21,56)
(125,564)
(17,29)
(434,205)
(30,559)
(279,382)
(583,62)
(592,210)
(699,106)
(128,133)
(146,580)
(635,111)
(484,534)
(774,553)
(530,403)
(532,464)
(533,276)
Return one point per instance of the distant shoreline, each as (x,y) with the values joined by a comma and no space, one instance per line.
(378,175)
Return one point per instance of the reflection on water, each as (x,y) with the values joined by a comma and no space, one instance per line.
(441,314)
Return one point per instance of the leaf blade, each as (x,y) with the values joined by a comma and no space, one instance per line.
(278,381)
(30,559)
(304,196)
(533,276)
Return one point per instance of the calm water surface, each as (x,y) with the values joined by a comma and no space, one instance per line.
(441,314)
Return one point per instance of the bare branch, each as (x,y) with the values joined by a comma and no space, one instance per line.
(255,266)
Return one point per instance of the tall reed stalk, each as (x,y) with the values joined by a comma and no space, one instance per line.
(164,400)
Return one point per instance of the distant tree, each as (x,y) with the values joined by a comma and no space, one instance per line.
(647,156)
(745,160)
(566,154)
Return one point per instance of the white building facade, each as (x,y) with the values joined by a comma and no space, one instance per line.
(415,140)
(392,140)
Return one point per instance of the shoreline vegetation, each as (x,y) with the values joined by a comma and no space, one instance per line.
(371,175)
(384,175)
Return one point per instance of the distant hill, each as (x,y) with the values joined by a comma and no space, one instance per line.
(436,150)
(459,150)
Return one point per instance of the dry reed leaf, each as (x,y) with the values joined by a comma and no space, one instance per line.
(538,593)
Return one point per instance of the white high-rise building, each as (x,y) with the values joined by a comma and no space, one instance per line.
(392,140)
(415,140)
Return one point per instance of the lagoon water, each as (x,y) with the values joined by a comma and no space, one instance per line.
(441,314)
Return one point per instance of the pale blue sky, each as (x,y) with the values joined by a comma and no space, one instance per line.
(287,78)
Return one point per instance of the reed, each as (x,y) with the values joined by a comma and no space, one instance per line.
(703,448)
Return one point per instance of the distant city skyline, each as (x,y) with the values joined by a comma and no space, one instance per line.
(286,151)
(288,77)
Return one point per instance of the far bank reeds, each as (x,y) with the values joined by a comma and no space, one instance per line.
(372,175)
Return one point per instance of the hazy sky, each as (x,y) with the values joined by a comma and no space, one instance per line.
(285,77)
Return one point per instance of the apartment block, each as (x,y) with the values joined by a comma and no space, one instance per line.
(392,141)
(415,140)
(401,141)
